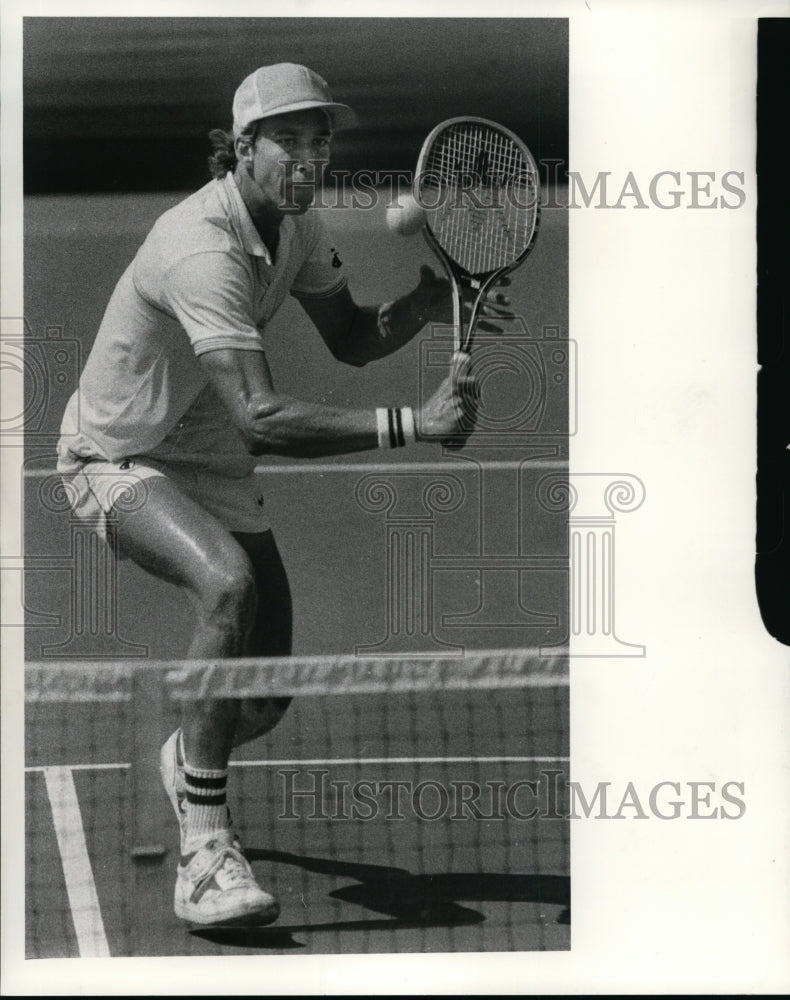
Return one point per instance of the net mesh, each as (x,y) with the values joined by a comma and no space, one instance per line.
(400,806)
(480,191)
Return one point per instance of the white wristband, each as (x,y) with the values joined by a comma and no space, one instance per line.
(409,428)
(395,427)
(382,427)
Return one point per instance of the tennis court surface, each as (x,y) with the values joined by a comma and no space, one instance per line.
(418,807)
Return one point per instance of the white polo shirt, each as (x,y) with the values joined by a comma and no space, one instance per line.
(201,281)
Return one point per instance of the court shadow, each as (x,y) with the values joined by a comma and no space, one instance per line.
(277,938)
(407,900)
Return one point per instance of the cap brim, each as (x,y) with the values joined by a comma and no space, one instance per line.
(342,115)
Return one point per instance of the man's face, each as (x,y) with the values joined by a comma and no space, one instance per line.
(288,158)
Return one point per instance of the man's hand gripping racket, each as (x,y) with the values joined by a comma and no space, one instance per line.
(479,187)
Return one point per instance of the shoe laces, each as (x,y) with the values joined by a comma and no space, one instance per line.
(223,860)
(234,868)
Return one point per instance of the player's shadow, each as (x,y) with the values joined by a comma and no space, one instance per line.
(407,900)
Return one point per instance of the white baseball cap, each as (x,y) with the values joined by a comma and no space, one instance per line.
(285,87)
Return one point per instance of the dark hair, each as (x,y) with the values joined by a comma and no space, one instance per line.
(223,157)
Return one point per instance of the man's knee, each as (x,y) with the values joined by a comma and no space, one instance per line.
(228,590)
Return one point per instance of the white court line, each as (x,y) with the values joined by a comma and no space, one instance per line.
(77,871)
(328,762)
(33,769)
(400,760)
(395,467)
(319,468)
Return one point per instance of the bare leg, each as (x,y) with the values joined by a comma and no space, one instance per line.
(271,633)
(175,539)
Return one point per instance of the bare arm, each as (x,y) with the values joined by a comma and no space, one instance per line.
(359,334)
(276,424)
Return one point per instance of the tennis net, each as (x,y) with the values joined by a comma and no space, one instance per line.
(402,805)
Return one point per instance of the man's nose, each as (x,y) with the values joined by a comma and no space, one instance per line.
(309,166)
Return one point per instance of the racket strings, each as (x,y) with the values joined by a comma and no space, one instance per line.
(482,197)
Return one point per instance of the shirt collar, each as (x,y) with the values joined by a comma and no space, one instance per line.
(250,237)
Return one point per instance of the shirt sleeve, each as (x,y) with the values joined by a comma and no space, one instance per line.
(322,273)
(211,296)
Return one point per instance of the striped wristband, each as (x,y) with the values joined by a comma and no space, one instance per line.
(395,427)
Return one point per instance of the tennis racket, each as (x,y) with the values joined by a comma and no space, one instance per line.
(479,187)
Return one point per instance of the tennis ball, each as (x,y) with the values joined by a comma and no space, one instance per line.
(405,217)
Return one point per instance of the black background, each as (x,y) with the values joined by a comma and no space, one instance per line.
(773,383)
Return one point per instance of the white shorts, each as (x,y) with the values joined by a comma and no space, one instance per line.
(99,488)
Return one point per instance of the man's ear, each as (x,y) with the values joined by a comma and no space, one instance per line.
(243,148)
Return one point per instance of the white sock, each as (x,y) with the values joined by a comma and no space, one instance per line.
(207,810)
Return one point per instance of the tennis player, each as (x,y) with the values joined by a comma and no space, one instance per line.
(177,400)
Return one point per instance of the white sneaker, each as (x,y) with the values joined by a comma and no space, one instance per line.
(171,768)
(216,886)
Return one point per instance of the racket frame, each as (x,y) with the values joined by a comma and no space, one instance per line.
(460,278)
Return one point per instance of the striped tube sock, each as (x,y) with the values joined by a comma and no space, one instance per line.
(207,811)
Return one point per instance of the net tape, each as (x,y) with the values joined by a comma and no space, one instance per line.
(82,680)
